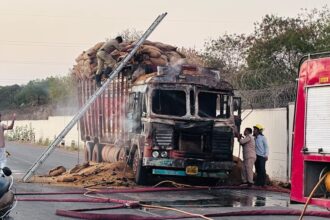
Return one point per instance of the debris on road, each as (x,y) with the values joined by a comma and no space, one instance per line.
(88,175)
(57,171)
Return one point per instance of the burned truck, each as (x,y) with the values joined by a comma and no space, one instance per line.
(177,121)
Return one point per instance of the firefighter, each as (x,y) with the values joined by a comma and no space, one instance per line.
(262,152)
(249,156)
(104,57)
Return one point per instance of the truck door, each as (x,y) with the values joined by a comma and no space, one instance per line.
(134,112)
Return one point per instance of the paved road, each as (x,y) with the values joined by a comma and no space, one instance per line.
(201,201)
(24,155)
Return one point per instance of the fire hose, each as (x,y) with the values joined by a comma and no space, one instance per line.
(150,189)
(79,213)
(312,193)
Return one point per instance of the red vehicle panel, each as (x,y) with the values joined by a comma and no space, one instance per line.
(307,166)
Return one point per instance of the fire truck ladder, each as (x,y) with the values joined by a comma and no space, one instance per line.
(92,99)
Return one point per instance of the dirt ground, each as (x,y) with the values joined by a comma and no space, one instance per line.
(89,175)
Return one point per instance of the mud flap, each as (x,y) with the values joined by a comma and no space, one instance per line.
(97,153)
(89,146)
(140,172)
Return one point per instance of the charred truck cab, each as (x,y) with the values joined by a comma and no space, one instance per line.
(181,122)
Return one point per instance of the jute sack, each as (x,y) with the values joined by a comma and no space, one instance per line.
(151,51)
(164,47)
(161,61)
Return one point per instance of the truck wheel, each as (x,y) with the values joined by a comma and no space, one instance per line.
(97,153)
(88,150)
(140,172)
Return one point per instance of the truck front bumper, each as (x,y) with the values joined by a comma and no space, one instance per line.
(178,167)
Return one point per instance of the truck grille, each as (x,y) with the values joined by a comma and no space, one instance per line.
(221,144)
(186,154)
(163,137)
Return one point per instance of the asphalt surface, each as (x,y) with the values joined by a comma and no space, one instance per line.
(199,201)
(24,155)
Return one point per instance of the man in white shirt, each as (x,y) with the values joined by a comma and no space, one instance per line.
(3,127)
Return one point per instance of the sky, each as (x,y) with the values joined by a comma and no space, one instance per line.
(42,38)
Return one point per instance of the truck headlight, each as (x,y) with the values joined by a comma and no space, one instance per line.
(155,154)
(163,154)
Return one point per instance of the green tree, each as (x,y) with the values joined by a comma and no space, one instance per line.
(7,96)
(270,56)
(279,43)
(227,53)
(61,89)
(34,93)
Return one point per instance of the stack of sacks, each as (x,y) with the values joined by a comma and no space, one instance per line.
(86,62)
(155,53)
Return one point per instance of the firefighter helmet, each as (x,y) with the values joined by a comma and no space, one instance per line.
(259,127)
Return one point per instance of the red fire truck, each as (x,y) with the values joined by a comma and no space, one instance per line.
(311,137)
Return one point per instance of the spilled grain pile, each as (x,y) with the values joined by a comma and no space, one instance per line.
(89,175)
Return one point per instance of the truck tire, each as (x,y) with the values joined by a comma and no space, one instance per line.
(97,153)
(88,150)
(140,172)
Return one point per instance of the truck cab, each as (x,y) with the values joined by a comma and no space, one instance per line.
(181,121)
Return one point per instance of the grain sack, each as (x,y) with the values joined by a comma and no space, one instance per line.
(148,42)
(147,62)
(80,57)
(170,54)
(57,171)
(124,44)
(164,47)
(157,53)
(66,179)
(91,52)
(98,45)
(151,51)
(85,56)
(161,61)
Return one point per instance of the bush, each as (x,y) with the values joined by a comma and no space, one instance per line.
(21,133)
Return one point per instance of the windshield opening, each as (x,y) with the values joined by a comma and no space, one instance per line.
(213,105)
(169,102)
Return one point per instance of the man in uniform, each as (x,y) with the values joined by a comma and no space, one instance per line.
(3,127)
(249,156)
(104,57)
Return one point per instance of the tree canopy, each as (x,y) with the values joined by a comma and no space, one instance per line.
(270,55)
(51,90)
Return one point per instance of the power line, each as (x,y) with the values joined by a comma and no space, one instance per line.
(43,44)
(46,42)
(35,62)
(119,19)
